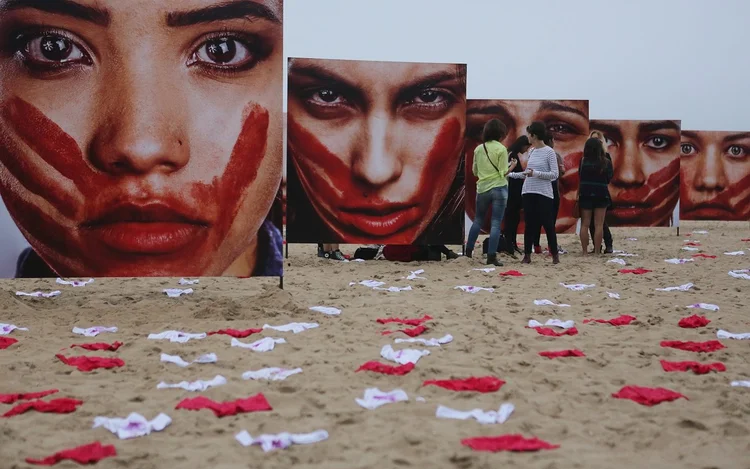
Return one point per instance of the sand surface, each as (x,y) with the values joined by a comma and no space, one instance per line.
(563,401)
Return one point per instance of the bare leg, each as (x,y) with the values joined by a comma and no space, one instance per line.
(585,222)
(599,214)
(330,247)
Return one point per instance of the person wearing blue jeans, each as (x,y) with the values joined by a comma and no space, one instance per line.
(491,169)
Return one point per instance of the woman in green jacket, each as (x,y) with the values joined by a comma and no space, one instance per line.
(491,169)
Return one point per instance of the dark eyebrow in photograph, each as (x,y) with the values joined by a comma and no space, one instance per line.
(610,131)
(486,110)
(230,10)
(736,136)
(319,73)
(689,134)
(495,110)
(553,106)
(648,127)
(70,8)
(433,79)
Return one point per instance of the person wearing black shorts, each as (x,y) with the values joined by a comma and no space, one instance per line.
(608,241)
(595,173)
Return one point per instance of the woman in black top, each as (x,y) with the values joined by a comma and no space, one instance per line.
(513,208)
(608,241)
(595,173)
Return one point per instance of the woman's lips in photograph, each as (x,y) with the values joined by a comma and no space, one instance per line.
(626,212)
(380,220)
(155,228)
(708,211)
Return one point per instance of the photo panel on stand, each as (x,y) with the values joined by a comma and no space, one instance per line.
(715,175)
(118,164)
(646,159)
(566,120)
(375,152)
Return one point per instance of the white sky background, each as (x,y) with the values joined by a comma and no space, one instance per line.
(633,59)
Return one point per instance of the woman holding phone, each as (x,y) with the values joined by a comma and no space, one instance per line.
(491,168)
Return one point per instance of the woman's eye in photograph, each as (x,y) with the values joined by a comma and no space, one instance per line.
(737,151)
(50,50)
(564,131)
(559,128)
(326,96)
(658,142)
(430,103)
(429,96)
(687,149)
(227,53)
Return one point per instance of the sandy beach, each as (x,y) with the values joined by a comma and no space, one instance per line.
(564,401)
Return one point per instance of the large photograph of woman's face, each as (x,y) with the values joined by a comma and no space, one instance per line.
(374,152)
(566,120)
(715,175)
(646,158)
(142,137)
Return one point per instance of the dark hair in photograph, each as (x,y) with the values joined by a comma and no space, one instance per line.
(494,129)
(594,152)
(537,129)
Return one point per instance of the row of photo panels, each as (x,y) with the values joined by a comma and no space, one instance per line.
(382,152)
(376,153)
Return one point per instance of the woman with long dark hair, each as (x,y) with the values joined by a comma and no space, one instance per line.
(608,241)
(491,168)
(595,173)
(538,197)
(515,202)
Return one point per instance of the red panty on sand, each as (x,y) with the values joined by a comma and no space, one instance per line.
(256,403)
(562,354)
(483,384)
(506,443)
(86,454)
(647,396)
(382,368)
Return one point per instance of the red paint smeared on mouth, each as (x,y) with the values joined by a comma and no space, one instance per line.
(721,207)
(176,221)
(347,203)
(643,206)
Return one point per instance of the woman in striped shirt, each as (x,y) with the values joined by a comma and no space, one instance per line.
(538,196)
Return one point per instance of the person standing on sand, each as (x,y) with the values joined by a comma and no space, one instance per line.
(491,169)
(595,173)
(550,142)
(538,196)
(608,241)
(515,202)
